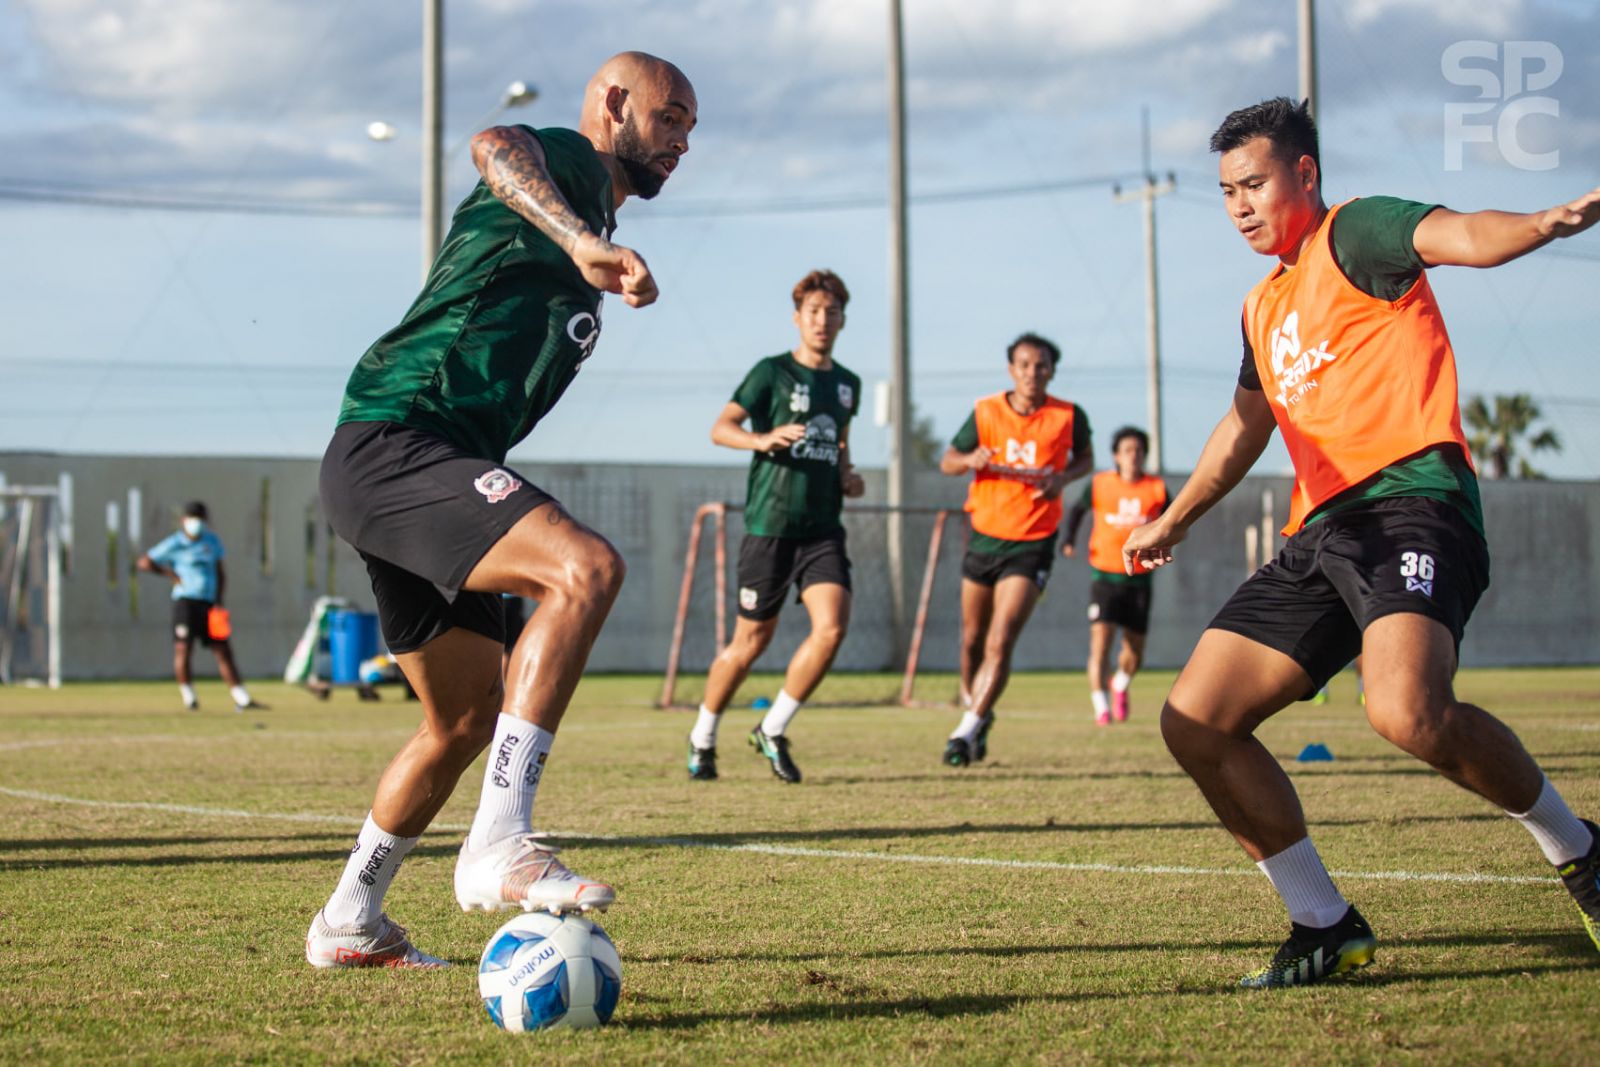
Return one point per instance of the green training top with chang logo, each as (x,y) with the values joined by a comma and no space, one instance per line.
(503,322)
(796,492)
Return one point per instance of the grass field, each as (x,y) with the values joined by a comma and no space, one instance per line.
(158,870)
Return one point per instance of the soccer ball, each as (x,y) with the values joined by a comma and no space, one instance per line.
(542,972)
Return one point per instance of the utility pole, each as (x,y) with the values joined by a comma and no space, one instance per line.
(1308,55)
(899,330)
(1147,194)
(432,129)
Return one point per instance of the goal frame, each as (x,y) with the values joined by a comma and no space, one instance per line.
(34,504)
(715,512)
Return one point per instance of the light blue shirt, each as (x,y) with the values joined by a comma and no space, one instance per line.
(195,563)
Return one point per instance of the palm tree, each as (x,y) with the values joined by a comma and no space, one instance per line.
(1497,436)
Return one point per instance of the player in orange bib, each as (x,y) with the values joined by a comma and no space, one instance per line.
(1022,447)
(1122,500)
(1346,355)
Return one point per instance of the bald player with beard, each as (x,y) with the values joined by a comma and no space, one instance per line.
(415,479)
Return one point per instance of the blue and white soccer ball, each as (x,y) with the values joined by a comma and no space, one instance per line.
(543,972)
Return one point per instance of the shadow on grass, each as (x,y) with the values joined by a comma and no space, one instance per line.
(1573,945)
(441,845)
(858,1003)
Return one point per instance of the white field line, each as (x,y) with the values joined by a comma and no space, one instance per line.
(789,850)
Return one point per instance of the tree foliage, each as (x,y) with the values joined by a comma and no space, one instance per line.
(1501,434)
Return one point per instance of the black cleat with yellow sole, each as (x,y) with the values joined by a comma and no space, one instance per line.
(1312,954)
(1582,879)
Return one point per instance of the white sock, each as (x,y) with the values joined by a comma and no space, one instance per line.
(358,899)
(240,695)
(1302,881)
(1561,836)
(513,764)
(967,728)
(778,718)
(1101,702)
(1119,681)
(704,734)
(187,693)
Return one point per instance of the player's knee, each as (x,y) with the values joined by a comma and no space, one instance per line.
(593,579)
(1411,727)
(829,633)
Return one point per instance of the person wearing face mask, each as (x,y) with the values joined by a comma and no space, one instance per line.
(191,559)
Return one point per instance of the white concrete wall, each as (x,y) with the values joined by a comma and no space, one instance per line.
(1541,608)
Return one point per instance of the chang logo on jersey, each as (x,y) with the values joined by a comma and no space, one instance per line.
(1129,513)
(1296,368)
(820,443)
(800,398)
(496,484)
(583,329)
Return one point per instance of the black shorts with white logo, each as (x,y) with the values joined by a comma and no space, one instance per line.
(422,512)
(768,566)
(1033,564)
(1124,604)
(1342,573)
(191,621)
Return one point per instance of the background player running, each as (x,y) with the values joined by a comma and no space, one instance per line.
(799,405)
(1121,499)
(1021,447)
(1346,352)
(414,479)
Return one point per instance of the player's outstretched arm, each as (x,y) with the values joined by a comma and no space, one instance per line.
(1490,238)
(1230,452)
(512,162)
(729,432)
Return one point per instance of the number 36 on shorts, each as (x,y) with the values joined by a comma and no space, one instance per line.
(1416,565)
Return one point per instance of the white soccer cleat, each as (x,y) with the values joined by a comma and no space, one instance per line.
(383,944)
(522,871)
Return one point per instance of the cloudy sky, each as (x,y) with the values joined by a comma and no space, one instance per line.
(200,239)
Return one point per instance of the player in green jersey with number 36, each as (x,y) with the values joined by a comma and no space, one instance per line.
(799,405)
(415,480)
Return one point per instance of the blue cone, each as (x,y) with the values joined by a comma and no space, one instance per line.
(761,703)
(1315,753)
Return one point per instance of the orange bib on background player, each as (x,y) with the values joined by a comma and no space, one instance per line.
(1356,382)
(1026,449)
(1120,508)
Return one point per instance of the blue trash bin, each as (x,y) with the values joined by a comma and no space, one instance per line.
(352,638)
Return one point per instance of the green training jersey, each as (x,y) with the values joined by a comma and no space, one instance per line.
(503,322)
(1373,243)
(797,492)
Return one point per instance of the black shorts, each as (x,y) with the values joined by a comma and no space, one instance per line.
(1034,564)
(1124,604)
(422,512)
(769,565)
(1339,575)
(191,621)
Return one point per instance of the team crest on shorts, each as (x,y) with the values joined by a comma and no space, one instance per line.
(748,598)
(847,395)
(1094,612)
(496,484)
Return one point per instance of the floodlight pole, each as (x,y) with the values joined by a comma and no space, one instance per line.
(899,331)
(1308,55)
(1147,194)
(432,129)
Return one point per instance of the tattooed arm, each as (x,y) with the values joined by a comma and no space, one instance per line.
(512,162)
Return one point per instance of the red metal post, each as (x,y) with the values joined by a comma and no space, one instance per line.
(675,652)
(934,541)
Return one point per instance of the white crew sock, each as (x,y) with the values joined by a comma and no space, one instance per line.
(240,695)
(704,734)
(358,898)
(967,728)
(187,693)
(1302,881)
(1561,836)
(1101,702)
(1120,681)
(778,717)
(513,764)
